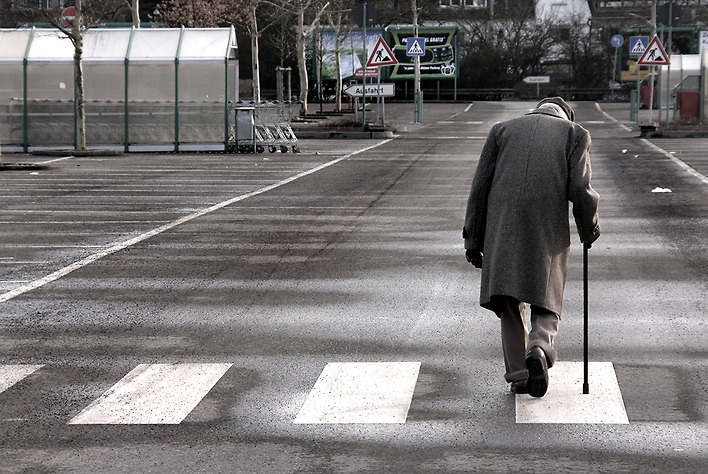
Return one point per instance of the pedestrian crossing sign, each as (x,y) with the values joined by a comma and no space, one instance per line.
(415,46)
(381,55)
(637,45)
(654,55)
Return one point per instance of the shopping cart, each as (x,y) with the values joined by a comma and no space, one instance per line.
(257,126)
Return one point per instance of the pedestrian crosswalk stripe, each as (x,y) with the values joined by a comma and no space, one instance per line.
(153,394)
(358,392)
(565,402)
(11,374)
(361,392)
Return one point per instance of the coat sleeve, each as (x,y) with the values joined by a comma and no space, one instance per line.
(476,215)
(580,191)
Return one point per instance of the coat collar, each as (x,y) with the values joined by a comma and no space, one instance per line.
(547,111)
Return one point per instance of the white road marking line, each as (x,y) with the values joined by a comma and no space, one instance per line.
(48,246)
(678,161)
(56,159)
(451,137)
(565,402)
(11,374)
(361,392)
(611,118)
(153,394)
(125,244)
(473,122)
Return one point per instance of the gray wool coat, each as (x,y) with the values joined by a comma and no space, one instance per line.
(531,167)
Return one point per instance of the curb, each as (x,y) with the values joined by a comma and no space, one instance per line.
(79,153)
(322,134)
(680,134)
(22,167)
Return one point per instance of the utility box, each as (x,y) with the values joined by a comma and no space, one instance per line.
(688,104)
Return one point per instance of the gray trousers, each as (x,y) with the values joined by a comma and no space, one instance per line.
(517,340)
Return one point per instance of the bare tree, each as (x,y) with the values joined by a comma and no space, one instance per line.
(500,53)
(252,27)
(280,35)
(336,16)
(245,12)
(194,13)
(588,54)
(134,11)
(301,8)
(212,13)
(89,13)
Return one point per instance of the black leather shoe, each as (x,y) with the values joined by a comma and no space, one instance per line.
(537,366)
(519,387)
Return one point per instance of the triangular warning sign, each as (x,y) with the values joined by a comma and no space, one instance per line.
(654,55)
(415,49)
(381,55)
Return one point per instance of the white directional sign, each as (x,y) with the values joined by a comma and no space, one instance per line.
(383,90)
(537,79)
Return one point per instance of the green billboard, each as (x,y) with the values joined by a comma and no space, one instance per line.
(439,61)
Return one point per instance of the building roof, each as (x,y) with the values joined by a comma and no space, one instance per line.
(108,45)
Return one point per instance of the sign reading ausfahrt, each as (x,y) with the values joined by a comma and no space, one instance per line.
(537,79)
(382,90)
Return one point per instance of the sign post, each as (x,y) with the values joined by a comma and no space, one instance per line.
(415,48)
(617,41)
(363,17)
(417,93)
(380,56)
(637,46)
(538,80)
(669,13)
(653,56)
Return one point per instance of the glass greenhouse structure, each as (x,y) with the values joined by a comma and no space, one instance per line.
(145,89)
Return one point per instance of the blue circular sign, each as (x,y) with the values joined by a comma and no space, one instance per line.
(617,41)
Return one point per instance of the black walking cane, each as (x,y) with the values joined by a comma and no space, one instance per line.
(586,385)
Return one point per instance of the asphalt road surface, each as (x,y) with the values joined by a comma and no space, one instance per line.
(314,312)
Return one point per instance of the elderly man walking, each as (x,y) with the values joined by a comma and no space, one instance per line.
(516,230)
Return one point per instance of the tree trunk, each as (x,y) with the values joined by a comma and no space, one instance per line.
(255,68)
(135,12)
(302,62)
(79,79)
(318,67)
(338,65)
